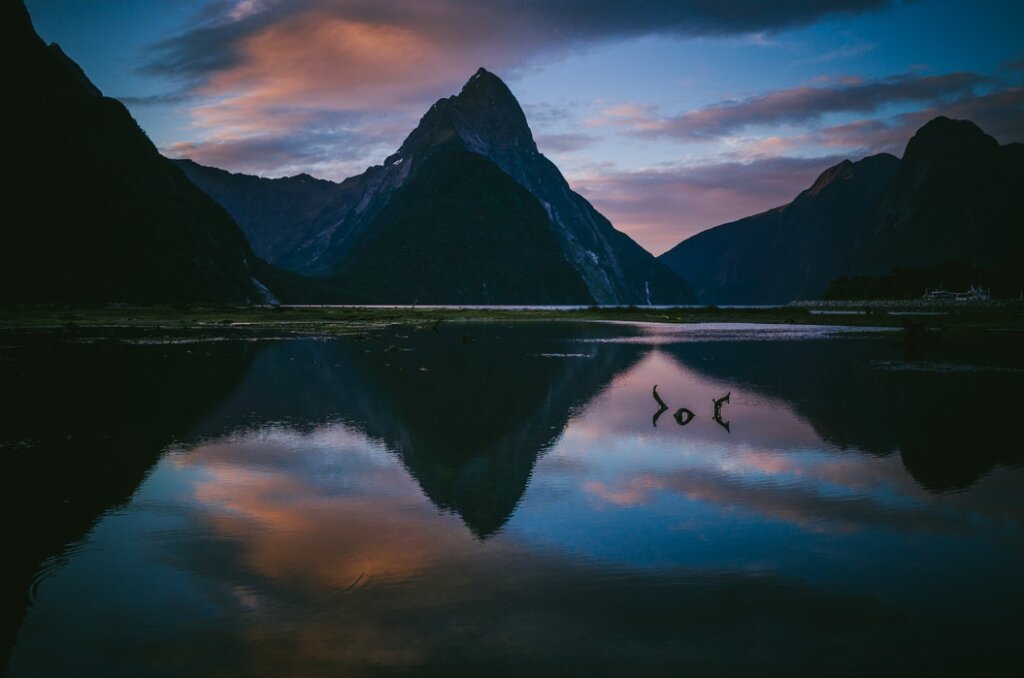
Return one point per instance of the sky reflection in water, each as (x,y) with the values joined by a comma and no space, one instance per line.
(506,505)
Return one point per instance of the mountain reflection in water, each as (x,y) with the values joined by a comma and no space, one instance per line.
(415,502)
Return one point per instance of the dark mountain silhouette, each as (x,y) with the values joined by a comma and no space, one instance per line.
(263,205)
(89,422)
(954,197)
(470,443)
(428,245)
(96,213)
(790,252)
(948,425)
(903,282)
(326,235)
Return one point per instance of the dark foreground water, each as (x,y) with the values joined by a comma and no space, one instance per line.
(493,499)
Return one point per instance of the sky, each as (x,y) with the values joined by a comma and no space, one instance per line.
(669,116)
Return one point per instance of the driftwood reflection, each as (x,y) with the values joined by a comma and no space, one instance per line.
(662,407)
(718,410)
(684,415)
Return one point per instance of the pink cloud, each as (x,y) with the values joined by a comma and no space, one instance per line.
(661,207)
(797,105)
(260,70)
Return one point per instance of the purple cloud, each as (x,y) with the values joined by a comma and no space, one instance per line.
(661,207)
(999,113)
(799,105)
(216,41)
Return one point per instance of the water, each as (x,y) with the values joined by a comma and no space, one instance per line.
(494,499)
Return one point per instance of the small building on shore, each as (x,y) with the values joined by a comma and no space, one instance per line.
(973,293)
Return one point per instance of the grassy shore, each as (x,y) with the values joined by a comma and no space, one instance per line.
(180,320)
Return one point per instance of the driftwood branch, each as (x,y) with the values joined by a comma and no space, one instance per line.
(683,416)
(662,407)
(718,410)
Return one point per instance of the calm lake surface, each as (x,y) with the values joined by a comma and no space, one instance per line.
(494,499)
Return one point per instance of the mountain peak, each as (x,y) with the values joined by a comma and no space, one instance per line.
(943,130)
(74,70)
(484,117)
(946,140)
(943,125)
(42,68)
(488,116)
(483,81)
(829,177)
(847,169)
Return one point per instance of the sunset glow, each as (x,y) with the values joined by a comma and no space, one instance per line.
(670,120)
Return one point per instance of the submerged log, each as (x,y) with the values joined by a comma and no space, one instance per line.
(662,407)
(718,410)
(683,416)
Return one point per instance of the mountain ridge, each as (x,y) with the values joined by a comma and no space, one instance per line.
(788,252)
(127,226)
(483,118)
(951,198)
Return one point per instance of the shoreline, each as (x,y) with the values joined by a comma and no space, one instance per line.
(1000,324)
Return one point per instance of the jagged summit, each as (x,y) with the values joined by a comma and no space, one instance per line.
(948,140)
(37,68)
(75,70)
(943,126)
(846,170)
(789,252)
(828,177)
(484,117)
(128,226)
(483,81)
(953,197)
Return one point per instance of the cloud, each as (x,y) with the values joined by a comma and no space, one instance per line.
(795,105)
(563,143)
(999,113)
(225,31)
(800,505)
(844,52)
(163,99)
(331,145)
(323,556)
(661,207)
(266,67)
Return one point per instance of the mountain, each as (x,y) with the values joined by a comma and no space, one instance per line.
(836,386)
(462,231)
(119,406)
(484,119)
(263,205)
(954,197)
(95,213)
(790,252)
(470,443)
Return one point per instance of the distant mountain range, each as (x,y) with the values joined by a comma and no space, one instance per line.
(94,212)
(954,197)
(366,229)
(466,211)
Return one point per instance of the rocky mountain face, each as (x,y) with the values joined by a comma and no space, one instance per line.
(790,252)
(953,197)
(264,204)
(95,213)
(956,197)
(428,244)
(484,119)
